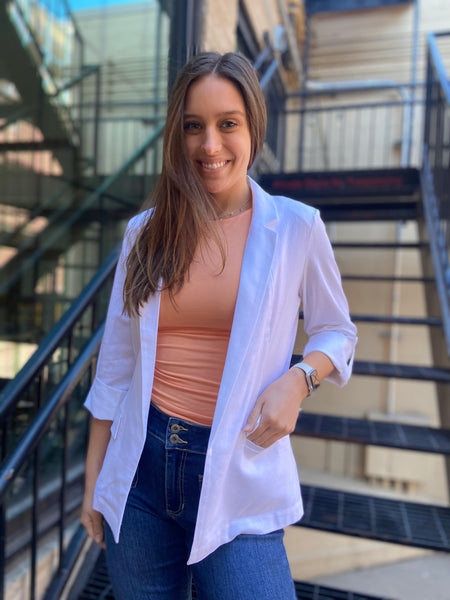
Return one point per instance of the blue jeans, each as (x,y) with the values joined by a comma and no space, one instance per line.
(149,562)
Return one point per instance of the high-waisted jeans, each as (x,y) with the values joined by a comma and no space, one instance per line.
(149,562)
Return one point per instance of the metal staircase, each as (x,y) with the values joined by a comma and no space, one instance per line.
(62,209)
(42,77)
(42,422)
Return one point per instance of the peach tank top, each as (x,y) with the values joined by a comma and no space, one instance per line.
(193,335)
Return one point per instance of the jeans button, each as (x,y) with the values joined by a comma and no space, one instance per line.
(175,428)
(175,439)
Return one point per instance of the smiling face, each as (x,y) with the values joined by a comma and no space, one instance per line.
(218,140)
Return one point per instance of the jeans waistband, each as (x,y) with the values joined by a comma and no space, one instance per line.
(177,433)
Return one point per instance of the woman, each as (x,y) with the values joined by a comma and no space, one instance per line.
(193,400)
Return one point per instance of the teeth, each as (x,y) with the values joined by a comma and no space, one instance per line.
(215,165)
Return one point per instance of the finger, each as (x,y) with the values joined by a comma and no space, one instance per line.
(254,419)
(97,529)
(93,522)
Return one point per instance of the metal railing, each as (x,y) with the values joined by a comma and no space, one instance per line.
(436,172)
(338,128)
(49,30)
(41,472)
(41,475)
(104,179)
(93,218)
(49,34)
(266,65)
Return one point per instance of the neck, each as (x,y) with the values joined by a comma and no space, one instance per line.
(236,202)
(232,213)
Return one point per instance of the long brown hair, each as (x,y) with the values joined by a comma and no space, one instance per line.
(183,209)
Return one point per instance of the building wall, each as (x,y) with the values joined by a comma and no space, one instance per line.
(219,25)
(375,43)
(367,46)
(131,43)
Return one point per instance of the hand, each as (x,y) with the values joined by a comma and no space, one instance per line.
(276,410)
(93,522)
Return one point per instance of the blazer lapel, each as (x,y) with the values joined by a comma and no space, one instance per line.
(255,271)
(148,329)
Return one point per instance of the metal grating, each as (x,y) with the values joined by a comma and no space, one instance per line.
(427,321)
(387,278)
(308,591)
(99,588)
(408,523)
(417,372)
(379,369)
(382,245)
(375,433)
(397,320)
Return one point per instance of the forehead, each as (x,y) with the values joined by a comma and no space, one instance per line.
(213,93)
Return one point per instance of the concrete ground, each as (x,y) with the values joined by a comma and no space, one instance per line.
(425,578)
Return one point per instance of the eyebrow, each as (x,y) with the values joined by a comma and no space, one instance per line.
(222,114)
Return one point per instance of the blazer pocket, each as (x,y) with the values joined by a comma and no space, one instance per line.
(253,449)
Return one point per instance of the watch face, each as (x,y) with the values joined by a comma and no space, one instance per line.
(315,379)
(312,378)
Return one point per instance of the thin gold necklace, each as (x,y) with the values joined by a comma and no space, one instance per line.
(237,211)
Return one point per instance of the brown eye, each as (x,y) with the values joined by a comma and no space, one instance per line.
(191,126)
(229,124)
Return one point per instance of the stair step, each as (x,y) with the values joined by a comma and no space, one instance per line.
(397,521)
(418,372)
(374,433)
(351,212)
(428,321)
(311,591)
(381,245)
(30,146)
(388,278)
(380,369)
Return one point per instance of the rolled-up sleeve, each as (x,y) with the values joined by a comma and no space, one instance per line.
(117,356)
(325,308)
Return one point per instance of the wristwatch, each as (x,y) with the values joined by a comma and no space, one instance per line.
(312,379)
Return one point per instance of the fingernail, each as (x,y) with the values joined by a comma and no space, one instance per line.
(250,429)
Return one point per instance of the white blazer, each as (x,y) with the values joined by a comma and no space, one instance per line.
(287,261)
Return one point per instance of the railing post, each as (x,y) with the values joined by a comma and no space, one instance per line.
(96,119)
(2,549)
(63,490)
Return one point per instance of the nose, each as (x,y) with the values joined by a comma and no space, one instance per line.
(211,142)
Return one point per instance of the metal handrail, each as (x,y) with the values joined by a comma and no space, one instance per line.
(32,34)
(28,448)
(436,197)
(437,62)
(13,390)
(72,218)
(15,461)
(87,70)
